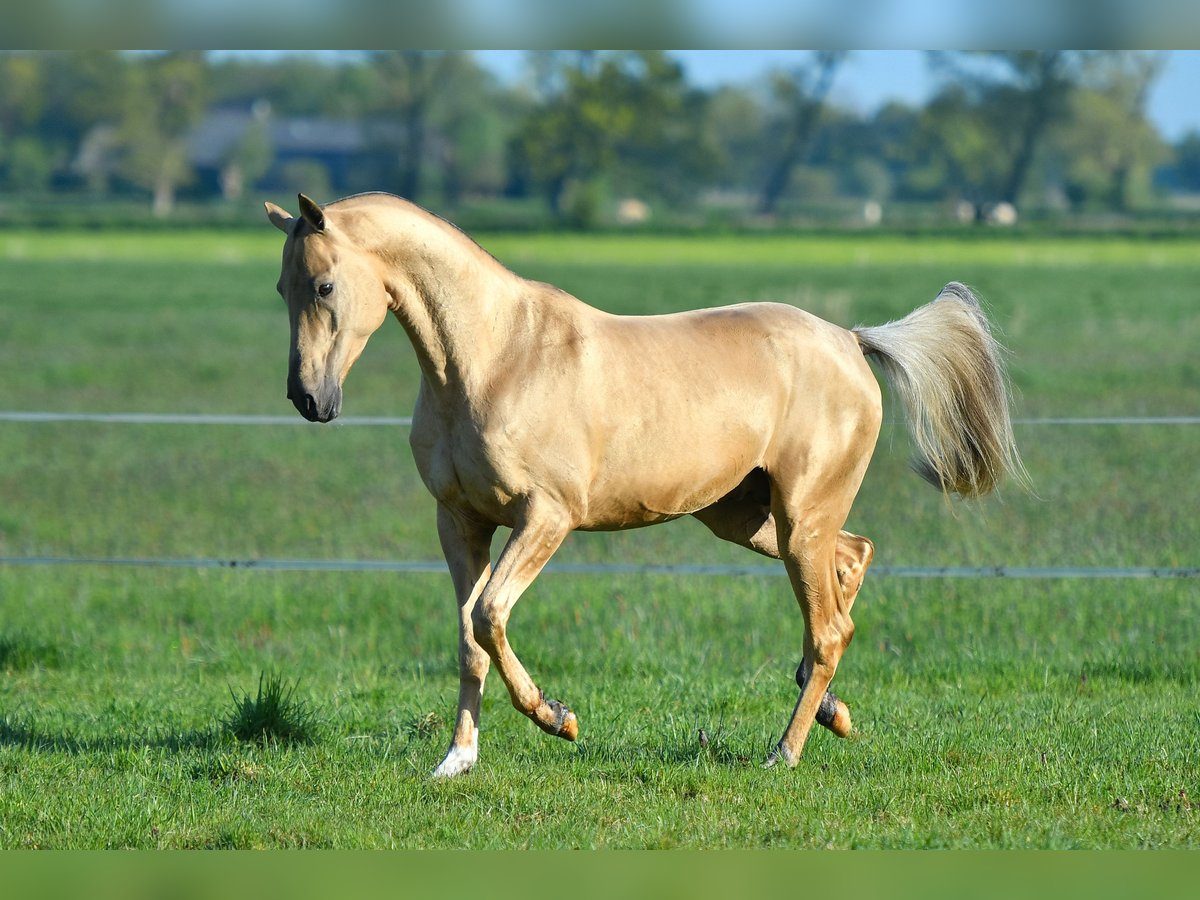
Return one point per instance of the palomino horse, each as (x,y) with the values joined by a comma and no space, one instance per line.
(542,414)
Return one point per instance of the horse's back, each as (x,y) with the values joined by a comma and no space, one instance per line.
(746,354)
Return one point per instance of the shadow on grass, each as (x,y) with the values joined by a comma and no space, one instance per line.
(700,746)
(273,716)
(18,734)
(1142,672)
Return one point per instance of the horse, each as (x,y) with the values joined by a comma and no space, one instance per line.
(545,415)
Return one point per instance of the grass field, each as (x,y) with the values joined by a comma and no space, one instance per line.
(989,713)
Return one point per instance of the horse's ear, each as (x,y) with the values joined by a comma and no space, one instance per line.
(312,213)
(279,217)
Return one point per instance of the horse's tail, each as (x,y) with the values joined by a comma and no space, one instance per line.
(948,369)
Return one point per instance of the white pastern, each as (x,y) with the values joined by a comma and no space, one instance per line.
(459,759)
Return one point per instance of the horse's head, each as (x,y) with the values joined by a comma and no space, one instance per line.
(336,299)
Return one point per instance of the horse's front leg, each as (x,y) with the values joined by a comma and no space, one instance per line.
(534,539)
(466,546)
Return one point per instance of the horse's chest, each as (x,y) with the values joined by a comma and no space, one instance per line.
(460,469)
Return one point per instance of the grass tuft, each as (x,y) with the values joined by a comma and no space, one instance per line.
(275,715)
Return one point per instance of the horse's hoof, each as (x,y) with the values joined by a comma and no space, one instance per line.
(840,724)
(570,727)
(561,722)
(834,715)
(458,761)
(780,755)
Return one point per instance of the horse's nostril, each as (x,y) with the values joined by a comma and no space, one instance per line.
(310,405)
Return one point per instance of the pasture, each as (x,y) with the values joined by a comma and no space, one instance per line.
(1041,713)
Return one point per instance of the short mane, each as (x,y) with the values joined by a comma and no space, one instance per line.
(422,211)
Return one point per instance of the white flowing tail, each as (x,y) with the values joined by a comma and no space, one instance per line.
(949,372)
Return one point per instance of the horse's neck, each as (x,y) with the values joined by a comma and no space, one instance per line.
(458,306)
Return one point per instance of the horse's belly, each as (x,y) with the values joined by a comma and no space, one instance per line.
(656,481)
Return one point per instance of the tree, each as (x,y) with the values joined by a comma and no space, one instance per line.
(297,85)
(802,92)
(736,125)
(22,95)
(1043,79)
(21,107)
(249,158)
(891,137)
(1131,145)
(29,164)
(470,129)
(1010,98)
(412,83)
(572,133)
(628,115)
(166,96)
(668,151)
(961,149)
(1187,161)
(49,101)
(1103,149)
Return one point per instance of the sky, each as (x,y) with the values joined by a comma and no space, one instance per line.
(872,77)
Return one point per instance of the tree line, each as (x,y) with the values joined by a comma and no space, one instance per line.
(1028,130)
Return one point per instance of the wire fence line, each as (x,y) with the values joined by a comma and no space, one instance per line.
(566,568)
(136,418)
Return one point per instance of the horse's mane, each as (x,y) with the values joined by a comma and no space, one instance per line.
(409,206)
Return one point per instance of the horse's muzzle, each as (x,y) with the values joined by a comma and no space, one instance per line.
(324,406)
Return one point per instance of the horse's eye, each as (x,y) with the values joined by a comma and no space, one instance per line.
(325,290)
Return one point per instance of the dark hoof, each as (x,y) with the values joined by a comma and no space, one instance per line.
(562,722)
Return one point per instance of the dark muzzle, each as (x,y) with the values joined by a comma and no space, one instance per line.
(322,406)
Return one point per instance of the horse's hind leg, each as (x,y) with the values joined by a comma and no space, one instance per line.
(809,505)
(852,556)
(744,518)
(809,557)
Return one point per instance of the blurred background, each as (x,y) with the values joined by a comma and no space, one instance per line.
(650,140)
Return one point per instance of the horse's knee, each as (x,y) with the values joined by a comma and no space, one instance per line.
(486,628)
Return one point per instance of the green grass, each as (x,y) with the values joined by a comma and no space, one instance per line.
(1019,714)
(988,713)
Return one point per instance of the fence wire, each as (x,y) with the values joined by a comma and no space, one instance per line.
(430,566)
